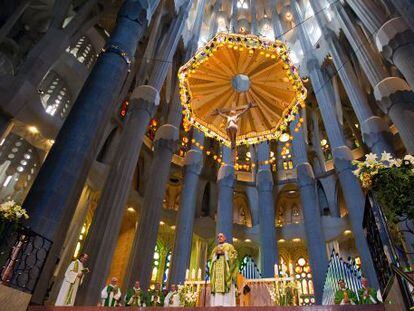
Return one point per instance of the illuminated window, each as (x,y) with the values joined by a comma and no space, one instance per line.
(81,239)
(167,268)
(304,281)
(155,264)
(54,95)
(242,4)
(83,51)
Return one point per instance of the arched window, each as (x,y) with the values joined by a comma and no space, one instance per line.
(54,95)
(155,263)
(304,281)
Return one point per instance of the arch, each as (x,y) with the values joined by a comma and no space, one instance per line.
(241,210)
(288,207)
(323,201)
(205,203)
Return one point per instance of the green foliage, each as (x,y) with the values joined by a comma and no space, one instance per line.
(393,188)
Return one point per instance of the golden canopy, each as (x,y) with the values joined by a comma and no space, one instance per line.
(229,72)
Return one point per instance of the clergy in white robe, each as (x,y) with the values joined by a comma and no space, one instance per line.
(73,278)
(173,298)
(111,294)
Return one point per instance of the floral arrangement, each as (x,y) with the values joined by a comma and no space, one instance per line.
(283,293)
(10,211)
(391,181)
(188,295)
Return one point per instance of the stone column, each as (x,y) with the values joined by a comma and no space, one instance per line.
(354,198)
(225,181)
(103,234)
(233,18)
(393,37)
(185,218)
(52,199)
(277,26)
(315,238)
(213,20)
(393,94)
(264,184)
(406,9)
(165,143)
(253,25)
(375,131)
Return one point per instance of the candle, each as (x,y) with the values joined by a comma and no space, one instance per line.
(290,269)
(199,274)
(193,274)
(187,272)
(276,270)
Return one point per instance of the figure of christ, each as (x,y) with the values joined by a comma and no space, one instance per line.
(232,117)
(223,273)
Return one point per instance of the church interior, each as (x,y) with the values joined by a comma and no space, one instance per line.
(137,131)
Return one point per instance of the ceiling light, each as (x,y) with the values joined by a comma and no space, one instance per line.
(162,223)
(284,137)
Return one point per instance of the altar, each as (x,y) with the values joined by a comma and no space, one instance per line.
(282,291)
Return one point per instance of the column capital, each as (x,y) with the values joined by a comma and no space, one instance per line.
(389,89)
(375,129)
(138,11)
(144,97)
(264,180)
(225,175)
(167,136)
(305,174)
(342,158)
(392,35)
(194,161)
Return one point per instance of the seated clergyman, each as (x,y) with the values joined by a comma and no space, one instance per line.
(367,295)
(111,294)
(345,296)
(223,273)
(172,299)
(156,296)
(135,296)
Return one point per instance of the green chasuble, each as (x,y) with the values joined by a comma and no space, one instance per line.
(340,295)
(223,268)
(367,296)
(156,298)
(134,297)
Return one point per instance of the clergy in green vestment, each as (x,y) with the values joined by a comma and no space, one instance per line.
(345,296)
(135,296)
(111,294)
(156,296)
(223,273)
(367,295)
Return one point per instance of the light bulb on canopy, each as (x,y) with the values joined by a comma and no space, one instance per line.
(241,73)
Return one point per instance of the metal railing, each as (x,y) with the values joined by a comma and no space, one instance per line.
(23,253)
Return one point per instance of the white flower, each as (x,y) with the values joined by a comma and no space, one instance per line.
(386,157)
(410,158)
(371,158)
(396,162)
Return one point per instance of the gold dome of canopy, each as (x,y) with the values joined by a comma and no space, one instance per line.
(233,70)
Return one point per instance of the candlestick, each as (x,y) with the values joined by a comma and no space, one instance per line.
(193,274)
(199,274)
(187,272)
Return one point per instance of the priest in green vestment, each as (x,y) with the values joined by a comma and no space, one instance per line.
(135,296)
(156,296)
(345,296)
(367,295)
(223,273)
(111,294)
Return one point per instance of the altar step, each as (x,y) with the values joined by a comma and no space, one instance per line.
(309,308)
